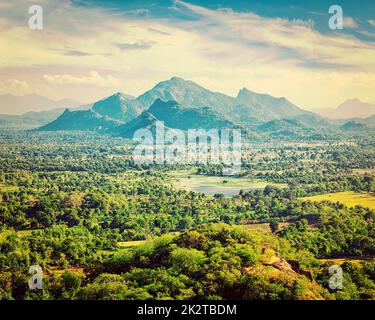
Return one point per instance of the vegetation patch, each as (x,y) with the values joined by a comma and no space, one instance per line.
(350,199)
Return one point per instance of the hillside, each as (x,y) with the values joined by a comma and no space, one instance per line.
(118,106)
(353,126)
(188,94)
(85,120)
(212,262)
(175,116)
(30,119)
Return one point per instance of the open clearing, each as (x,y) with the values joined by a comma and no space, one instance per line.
(128,244)
(350,199)
(264,227)
(58,271)
(229,186)
(340,261)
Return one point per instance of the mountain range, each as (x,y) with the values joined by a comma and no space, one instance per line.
(18,105)
(183,104)
(33,119)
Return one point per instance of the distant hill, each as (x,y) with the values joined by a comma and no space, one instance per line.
(33,119)
(287,128)
(312,120)
(83,120)
(353,126)
(30,119)
(352,108)
(370,121)
(18,105)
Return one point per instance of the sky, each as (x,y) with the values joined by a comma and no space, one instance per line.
(89,49)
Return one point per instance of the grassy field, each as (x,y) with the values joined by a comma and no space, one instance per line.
(364,171)
(350,199)
(77,270)
(264,227)
(340,261)
(128,244)
(229,186)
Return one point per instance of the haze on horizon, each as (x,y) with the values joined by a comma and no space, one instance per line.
(91,49)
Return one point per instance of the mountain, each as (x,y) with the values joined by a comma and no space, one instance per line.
(18,105)
(267,107)
(103,116)
(83,120)
(352,108)
(175,116)
(118,106)
(248,108)
(188,94)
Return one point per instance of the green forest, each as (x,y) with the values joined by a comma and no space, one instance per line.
(103,227)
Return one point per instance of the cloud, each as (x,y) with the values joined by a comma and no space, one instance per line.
(139,13)
(14,87)
(141,45)
(268,39)
(92,79)
(76,53)
(72,52)
(349,22)
(159,32)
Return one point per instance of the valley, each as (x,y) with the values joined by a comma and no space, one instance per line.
(264,233)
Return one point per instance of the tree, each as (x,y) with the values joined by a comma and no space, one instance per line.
(274,225)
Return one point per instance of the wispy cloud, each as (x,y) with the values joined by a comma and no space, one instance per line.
(76,53)
(349,22)
(159,32)
(93,78)
(141,45)
(14,87)
(72,52)
(272,36)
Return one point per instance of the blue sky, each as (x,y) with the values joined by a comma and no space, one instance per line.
(317,10)
(91,48)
